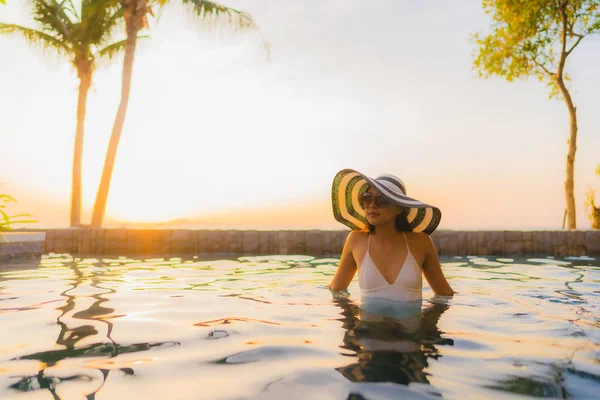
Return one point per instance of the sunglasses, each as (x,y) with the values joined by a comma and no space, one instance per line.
(367,199)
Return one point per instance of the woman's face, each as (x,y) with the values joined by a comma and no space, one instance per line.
(378,209)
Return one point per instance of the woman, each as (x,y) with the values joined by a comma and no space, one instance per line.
(390,244)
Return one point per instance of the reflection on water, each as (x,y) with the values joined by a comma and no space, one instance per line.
(268,328)
(392,341)
(82,326)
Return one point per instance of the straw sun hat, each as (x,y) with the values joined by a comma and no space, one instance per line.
(349,186)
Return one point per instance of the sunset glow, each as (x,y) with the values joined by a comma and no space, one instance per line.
(213,128)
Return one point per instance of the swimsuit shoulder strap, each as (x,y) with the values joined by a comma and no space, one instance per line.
(406,241)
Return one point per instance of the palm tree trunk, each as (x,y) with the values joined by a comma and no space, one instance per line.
(570,169)
(85,81)
(133,27)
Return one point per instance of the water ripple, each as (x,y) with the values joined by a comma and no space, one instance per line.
(76,327)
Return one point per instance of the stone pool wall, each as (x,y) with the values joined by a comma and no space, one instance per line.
(16,250)
(21,244)
(116,242)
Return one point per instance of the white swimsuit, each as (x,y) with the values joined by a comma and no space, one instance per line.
(408,285)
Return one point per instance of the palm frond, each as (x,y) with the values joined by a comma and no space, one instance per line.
(116,18)
(5,221)
(52,17)
(113,49)
(5,197)
(15,216)
(212,13)
(99,18)
(36,37)
(76,30)
(69,9)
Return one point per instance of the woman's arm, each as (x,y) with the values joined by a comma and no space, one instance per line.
(433,270)
(347,267)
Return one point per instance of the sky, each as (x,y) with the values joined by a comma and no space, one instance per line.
(221,134)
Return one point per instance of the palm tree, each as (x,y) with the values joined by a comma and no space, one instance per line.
(136,18)
(82,34)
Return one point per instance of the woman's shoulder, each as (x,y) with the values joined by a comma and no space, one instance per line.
(356,237)
(421,240)
(417,236)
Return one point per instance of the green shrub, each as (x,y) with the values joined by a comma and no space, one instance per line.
(7,221)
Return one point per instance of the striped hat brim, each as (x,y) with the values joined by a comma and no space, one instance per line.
(348,187)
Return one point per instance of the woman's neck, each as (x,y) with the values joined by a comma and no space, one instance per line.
(386,232)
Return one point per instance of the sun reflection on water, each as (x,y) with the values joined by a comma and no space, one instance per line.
(175,328)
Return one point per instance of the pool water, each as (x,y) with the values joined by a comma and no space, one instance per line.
(268,328)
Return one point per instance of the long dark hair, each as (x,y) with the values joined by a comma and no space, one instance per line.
(401,223)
